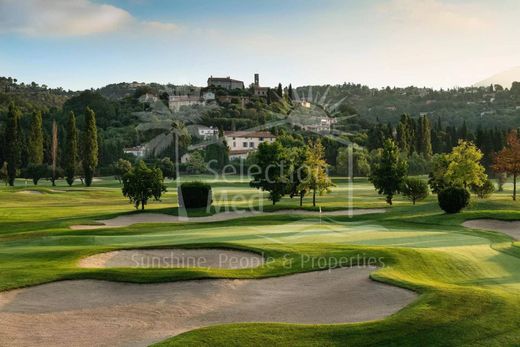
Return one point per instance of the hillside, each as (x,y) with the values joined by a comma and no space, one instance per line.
(475,106)
(504,78)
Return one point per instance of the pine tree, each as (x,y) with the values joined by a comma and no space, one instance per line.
(90,147)
(35,140)
(71,149)
(12,140)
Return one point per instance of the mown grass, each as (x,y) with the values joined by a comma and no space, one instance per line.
(469,280)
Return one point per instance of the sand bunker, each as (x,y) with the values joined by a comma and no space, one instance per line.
(30,192)
(98,313)
(511,228)
(170,258)
(137,218)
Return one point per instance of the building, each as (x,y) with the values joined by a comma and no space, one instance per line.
(257,90)
(208,96)
(320,125)
(241,143)
(149,98)
(225,82)
(302,103)
(138,151)
(177,101)
(207,132)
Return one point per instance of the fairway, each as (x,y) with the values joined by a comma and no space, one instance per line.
(457,272)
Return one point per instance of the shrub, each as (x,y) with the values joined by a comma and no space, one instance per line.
(195,195)
(483,191)
(453,199)
(415,189)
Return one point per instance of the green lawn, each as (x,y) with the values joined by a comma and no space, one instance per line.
(469,279)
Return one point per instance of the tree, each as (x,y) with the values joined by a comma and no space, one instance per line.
(121,168)
(36,172)
(279,91)
(403,135)
(271,162)
(507,161)
(415,189)
(501,181)
(35,140)
(70,151)
(298,174)
(389,172)
(4,173)
(195,163)
(173,139)
(167,167)
(484,191)
(290,92)
(426,138)
(217,155)
(12,139)
(141,183)
(360,164)
(437,176)
(90,147)
(317,180)
(55,171)
(464,166)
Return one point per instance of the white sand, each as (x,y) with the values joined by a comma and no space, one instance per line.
(511,228)
(30,192)
(98,313)
(170,258)
(137,218)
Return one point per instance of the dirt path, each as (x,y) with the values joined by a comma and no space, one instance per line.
(98,313)
(511,228)
(127,220)
(169,258)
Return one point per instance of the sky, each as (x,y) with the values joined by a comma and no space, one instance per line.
(81,44)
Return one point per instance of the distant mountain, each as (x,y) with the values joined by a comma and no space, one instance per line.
(504,78)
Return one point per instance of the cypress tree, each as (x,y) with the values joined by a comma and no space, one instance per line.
(71,149)
(12,139)
(279,90)
(389,131)
(463,134)
(90,147)
(35,140)
(426,137)
(22,144)
(403,135)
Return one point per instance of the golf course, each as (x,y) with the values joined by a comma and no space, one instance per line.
(404,275)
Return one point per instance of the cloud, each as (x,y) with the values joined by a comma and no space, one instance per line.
(436,15)
(68,18)
(160,26)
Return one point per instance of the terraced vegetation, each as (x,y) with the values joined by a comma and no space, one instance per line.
(468,279)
